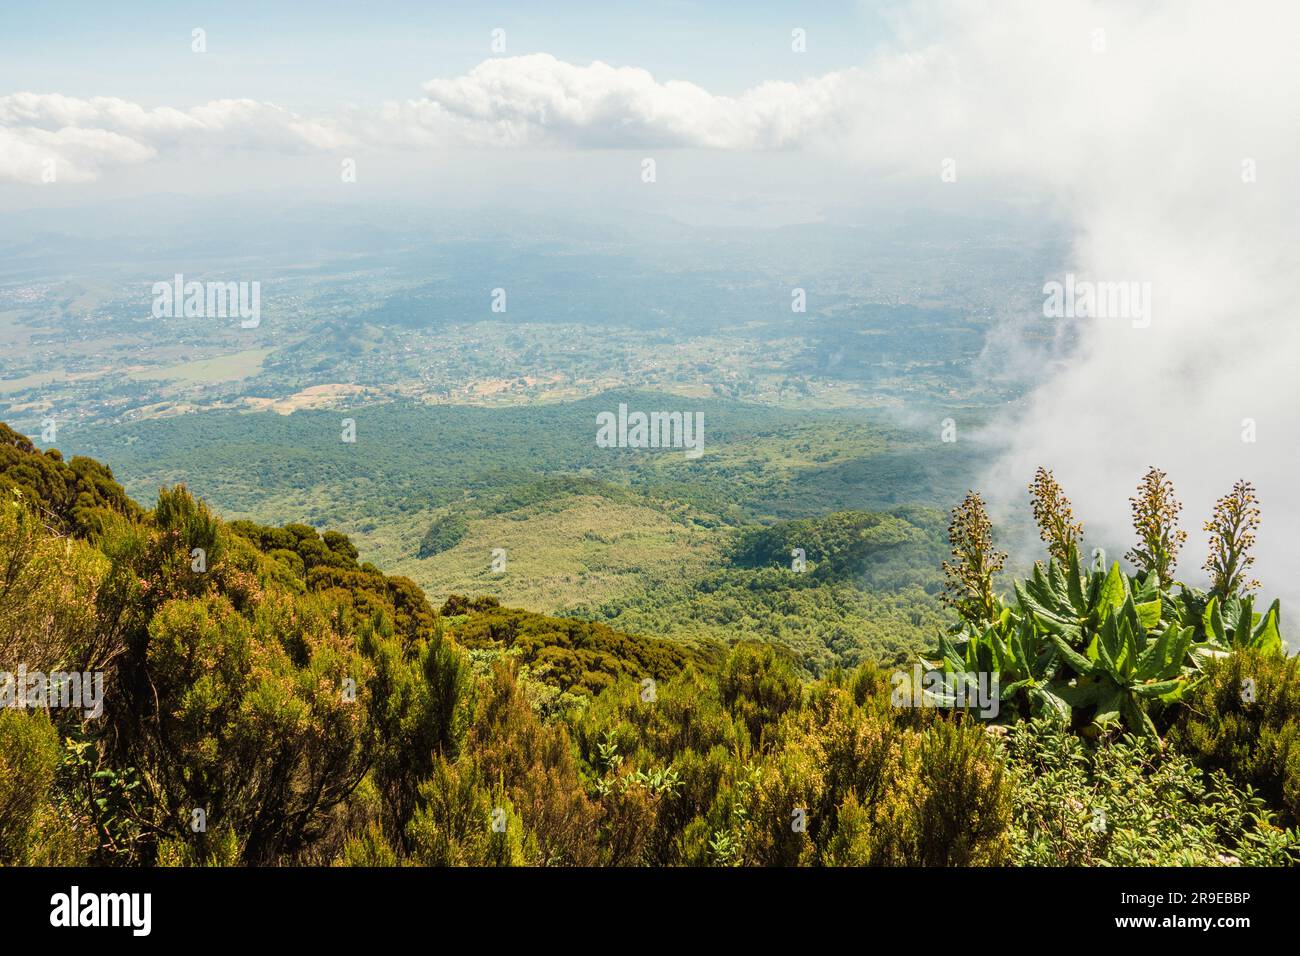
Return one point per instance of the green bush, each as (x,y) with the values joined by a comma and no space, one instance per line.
(29,758)
(1245,719)
(758,684)
(443,535)
(947,802)
(1130,802)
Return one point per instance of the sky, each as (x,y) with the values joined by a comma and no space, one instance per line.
(280,88)
(314,56)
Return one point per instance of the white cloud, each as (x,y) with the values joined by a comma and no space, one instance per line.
(504,102)
(539,99)
(82,137)
(68,155)
(507,102)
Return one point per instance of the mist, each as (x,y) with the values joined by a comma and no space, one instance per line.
(1162,136)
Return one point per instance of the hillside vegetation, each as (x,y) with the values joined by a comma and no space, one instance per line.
(642,542)
(271,699)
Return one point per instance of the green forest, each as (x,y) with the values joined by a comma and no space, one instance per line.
(648,544)
(271,699)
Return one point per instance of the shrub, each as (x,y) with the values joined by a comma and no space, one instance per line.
(443,535)
(948,804)
(874,793)
(29,757)
(1128,802)
(758,684)
(1245,719)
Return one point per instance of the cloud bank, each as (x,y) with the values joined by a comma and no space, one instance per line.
(1163,139)
(78,139)
(508,102)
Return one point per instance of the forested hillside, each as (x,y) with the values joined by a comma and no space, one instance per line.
(644,543)
(270,699)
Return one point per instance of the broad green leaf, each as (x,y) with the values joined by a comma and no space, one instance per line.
(1267,637)
(1085,693)
(1212,621)
(1072,657)
(1010,690)
(1178,649)
(1050,620)
(1109,705)
(1152,661)
(1114,590)
(1149,613)
(1245,623)
(1109,645)
(1075,584)
(1203,654)
(1157,688)
(1050,702)
(1136,717)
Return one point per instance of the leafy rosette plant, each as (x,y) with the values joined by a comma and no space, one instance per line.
(1126,667)
(1097,646)
(1232,624)
(1067,602)
(1022,656)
